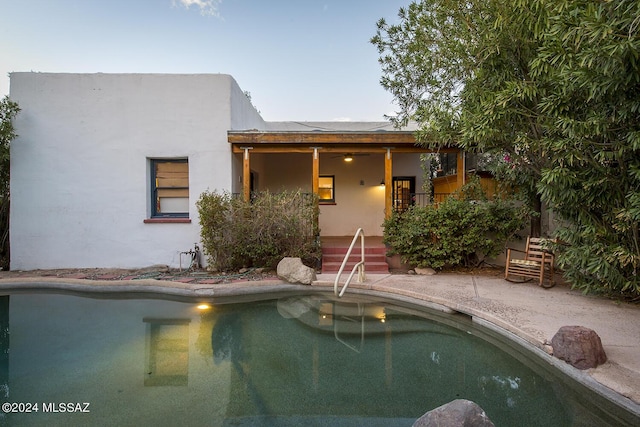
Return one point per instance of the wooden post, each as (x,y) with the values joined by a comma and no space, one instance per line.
(388,191)
(460,170)
(315,178)
(246,174)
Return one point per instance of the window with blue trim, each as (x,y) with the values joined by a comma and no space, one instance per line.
(169,188)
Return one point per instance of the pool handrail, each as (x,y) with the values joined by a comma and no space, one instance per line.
(359,265)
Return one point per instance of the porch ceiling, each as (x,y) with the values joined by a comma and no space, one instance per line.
(327,141)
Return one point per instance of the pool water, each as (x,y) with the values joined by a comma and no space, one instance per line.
(296,360)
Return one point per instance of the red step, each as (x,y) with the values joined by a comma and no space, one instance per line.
(374,257)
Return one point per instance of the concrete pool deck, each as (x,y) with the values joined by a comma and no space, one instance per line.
(524,311)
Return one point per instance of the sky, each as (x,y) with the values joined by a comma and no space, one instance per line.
(298,59)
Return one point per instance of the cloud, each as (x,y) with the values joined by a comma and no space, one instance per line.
(207,7)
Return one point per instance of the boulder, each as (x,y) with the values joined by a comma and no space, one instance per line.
(579,346)
(425,271)
(292,270)
(457,413)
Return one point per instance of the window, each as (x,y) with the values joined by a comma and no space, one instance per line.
(169,188)
(447,164)
(326,189)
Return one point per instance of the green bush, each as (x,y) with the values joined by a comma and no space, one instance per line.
(258,233)
(462,230)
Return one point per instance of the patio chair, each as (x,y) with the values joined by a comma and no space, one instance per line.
(537,263)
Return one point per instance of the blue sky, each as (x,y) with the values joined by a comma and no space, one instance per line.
(299,59)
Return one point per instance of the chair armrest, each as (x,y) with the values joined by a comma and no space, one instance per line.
(517,250)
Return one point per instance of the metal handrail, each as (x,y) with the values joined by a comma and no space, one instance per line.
(359,265)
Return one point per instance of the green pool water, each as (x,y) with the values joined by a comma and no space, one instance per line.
(296,360)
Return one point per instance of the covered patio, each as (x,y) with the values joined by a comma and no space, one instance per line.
(308,160)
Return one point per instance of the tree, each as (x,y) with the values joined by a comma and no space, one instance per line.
(461,70)
(591,50)
(8,110)
(554,86)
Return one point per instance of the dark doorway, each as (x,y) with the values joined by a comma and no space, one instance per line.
(404,187)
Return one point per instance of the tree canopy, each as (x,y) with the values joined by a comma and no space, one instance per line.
(8,110)
(592,48)
(462,71)
(551,89)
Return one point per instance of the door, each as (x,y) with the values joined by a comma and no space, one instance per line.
(403,190)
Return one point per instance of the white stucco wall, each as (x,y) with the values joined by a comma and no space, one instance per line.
(358,193)
(289,172)
(408,164)
(79,167)
(243,114)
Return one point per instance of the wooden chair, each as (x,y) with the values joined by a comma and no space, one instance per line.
(536,264)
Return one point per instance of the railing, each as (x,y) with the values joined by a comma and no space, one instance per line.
(359,265)
(421,200)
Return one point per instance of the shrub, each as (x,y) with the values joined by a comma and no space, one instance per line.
(258,233)
(462,230)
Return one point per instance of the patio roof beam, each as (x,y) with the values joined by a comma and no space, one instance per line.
(333,149)
(320,138)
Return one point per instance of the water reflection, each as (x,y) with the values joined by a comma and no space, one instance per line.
(317,357)
(167,348)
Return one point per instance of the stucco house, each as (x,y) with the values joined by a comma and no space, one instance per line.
(107,168)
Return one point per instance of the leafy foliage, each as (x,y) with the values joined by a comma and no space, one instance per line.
(258,233)
(8,111)
(461,70)
(593,182)
(461,230)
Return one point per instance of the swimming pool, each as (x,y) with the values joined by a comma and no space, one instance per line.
(285,360)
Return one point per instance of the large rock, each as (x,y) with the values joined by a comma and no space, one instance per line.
(457,413)
(425,271)
(579,346)
(292,270)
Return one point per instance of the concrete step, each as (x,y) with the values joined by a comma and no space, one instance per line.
(375,259)
(343,250)
(354,257)
(370,267)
